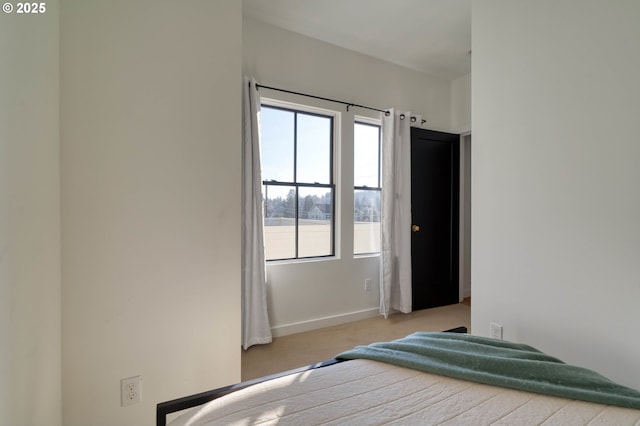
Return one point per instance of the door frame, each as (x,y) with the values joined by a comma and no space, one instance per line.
(464,246)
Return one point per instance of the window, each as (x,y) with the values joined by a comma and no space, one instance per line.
(366,196)
(297,172)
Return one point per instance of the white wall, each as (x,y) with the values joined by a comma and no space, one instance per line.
(461,104)
(30,339)
(556,158)
(306,295)
(150,149)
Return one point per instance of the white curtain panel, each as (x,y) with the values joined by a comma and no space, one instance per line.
(255,320)
(395,259)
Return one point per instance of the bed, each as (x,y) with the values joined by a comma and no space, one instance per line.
(424,378)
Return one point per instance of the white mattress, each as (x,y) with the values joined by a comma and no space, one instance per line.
(363,392)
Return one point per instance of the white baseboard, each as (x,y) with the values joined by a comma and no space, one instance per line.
(314,324)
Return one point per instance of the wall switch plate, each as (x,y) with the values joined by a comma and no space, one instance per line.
(367,284)
(495,331)
(130,390)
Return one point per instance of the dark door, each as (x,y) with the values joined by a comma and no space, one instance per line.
(435,164)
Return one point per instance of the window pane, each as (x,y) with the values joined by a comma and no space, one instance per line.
(279,222)
(314,149)
(296,157)
(366,227)
(314,226)
(277,131)
(366,142)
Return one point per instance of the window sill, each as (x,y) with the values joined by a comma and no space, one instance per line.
(303,260)
(366,255)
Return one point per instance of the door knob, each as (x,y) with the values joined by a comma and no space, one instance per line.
(415,228)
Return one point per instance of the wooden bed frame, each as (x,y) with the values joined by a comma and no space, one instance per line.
(179,404)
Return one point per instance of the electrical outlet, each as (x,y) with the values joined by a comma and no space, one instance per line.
(495,330)
(130,390)
(367,284)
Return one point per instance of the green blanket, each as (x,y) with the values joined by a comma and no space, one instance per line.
(497,362)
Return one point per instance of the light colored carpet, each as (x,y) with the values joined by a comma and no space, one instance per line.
(297,350)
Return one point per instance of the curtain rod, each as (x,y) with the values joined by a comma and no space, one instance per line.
(348,104)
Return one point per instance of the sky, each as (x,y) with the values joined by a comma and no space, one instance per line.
(314,142)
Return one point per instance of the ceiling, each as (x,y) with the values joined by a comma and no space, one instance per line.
(431,36)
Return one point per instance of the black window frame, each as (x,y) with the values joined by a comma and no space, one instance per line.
(331,186)
(365,187)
